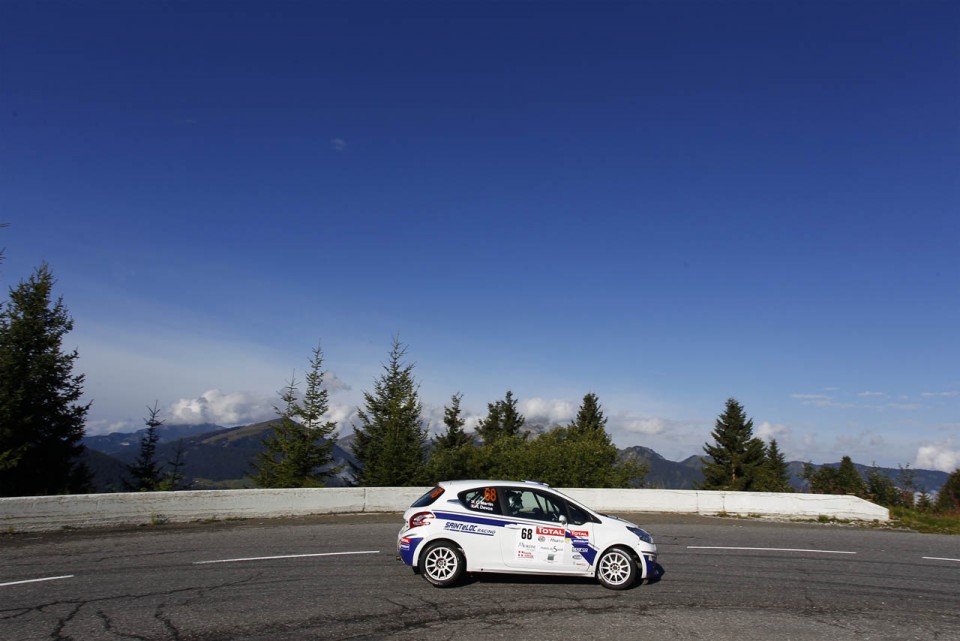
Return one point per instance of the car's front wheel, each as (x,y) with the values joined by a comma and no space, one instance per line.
(442,564)
(617,569)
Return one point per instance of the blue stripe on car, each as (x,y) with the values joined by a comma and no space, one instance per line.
(580,546)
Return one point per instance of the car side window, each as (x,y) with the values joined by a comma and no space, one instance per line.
(532,504)
(482,499)
(575,515)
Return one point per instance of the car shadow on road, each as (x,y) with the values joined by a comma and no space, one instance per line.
(537,579)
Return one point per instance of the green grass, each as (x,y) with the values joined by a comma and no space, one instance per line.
(925,522)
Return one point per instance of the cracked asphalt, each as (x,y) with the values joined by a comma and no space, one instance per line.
(145,583)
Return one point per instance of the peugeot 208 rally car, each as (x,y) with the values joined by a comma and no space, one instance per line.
(523,527)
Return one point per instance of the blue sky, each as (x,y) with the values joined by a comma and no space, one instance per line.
(664,203)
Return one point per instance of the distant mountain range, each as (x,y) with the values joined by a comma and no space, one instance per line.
(217,457)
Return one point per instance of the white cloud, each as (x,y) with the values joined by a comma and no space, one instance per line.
(938,456)
(768,431)
(819,400)
(539,410)
(338,144)
(649,426)
(950,394)
(871,394)
(214,406)
(333,384)
(905,406)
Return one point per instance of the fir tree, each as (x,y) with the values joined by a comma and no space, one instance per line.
(453,451)
(590,418)
(145,471)
(736,458)
(773,475)
(299,452)
(41,416)
(454,436)
(390,440)
(948,499)
(502,421)
(843,479)
(881,490)
(580,454)
(173,480)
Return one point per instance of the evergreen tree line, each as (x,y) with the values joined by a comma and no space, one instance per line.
(392,446)
(42,423)
(879,488)
(739,461)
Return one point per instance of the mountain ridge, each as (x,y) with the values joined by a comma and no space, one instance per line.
(217,457)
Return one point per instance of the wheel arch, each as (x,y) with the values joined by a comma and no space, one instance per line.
(426,543)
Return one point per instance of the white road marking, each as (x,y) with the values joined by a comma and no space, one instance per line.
(940,558)
(712,547)
(49,578)
(285,556)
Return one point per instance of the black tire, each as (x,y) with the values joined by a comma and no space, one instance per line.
(617,569)
(442,564)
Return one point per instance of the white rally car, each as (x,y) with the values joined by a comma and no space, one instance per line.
(520,527)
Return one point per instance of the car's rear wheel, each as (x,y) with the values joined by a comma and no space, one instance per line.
(442,564)
(617,569)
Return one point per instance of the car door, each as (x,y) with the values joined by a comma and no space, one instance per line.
(536,537)
(479,529)
(580,529)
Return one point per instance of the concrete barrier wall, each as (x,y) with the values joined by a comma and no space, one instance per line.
(90,510)
(766,504)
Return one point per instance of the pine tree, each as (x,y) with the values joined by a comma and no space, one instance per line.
(590,418)
(145,470)
(41,416)
(843,479)
(881,490)
(453,451)
(581,454)
(502,421)
(948,499)
(849,479)
(736,457)
(454,437)
(390,440)
(173,480)
(299,451)
(773,475)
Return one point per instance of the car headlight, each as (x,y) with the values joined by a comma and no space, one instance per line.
(642,534)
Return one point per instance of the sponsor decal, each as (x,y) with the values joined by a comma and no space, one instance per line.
(580,533)
(468,528)
(541,538)
(550,531)
(577,557)
(523,554)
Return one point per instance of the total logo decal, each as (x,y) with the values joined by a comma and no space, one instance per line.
(551,531)
(468,528)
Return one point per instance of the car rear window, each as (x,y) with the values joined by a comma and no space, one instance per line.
(428,498)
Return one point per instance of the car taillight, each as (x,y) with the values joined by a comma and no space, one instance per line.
(421,518)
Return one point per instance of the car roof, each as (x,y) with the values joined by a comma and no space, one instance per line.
(457,486)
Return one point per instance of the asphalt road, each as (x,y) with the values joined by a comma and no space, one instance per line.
(822,582)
